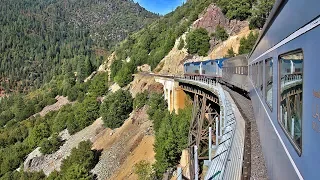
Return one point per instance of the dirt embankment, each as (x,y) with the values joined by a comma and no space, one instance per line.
(221,49)
(61,101)
(144,151)
(124,147)
(142,83)
(173,62)
(106,66)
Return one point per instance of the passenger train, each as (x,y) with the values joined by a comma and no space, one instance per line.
(281,74)
(232,72)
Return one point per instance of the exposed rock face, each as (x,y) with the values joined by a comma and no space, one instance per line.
(173,62)
(61,101)
(2,92)
(214,17)
(36,161)
(144,83)
(119,144)
(144,68)
(106,66)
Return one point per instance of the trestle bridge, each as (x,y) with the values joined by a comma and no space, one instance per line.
(217,128)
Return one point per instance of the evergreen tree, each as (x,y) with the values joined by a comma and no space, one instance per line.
(116,108)
(260,13)
(221,33)
(181,44)
(198,42)
(230,53)
(246,44)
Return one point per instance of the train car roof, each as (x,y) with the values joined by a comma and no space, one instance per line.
(242,56)
(206,61)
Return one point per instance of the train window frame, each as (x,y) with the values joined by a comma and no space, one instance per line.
(256,75)
(260,77)
(297,148)
(265,84)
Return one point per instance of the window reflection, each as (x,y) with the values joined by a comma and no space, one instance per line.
(269,81)
(291,73)
(261,77)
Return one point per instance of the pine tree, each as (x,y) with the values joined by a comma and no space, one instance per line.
(230,53)
(260,13)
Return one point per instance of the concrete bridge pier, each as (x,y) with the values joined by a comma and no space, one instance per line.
(173,93)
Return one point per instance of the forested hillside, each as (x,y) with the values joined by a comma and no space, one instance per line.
(56,44)
(39,37)
(153,43)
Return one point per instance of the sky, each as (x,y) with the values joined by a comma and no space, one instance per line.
(160,6)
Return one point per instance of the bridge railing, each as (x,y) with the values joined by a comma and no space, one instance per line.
(290,78)
(218,164)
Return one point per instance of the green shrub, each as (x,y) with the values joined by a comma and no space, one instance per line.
(51,144)
(198,42)
(246,44)
(260,13)
(236,9)
(143,169)
(221,33)
(78,164)
(116,108)
(140,100)
(230,53)
(181,44)
(157,108)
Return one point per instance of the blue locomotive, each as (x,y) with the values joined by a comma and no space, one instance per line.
(208,68)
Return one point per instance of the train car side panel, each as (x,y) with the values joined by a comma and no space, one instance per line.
(284,159)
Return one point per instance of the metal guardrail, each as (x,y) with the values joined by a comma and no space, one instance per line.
(290,79)
(218,163)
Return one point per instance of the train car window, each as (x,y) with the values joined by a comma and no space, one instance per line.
(268,82)
(290,96)
(256,75)
(261,77)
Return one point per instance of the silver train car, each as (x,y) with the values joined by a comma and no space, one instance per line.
(285,90)
(235,72)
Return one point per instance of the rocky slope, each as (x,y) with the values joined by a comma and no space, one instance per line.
(118,144)
(213,17)
(221,49)
(48,163)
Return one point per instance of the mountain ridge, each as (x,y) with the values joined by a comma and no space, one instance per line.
(39,37)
